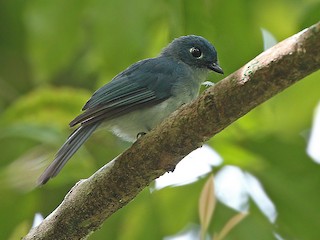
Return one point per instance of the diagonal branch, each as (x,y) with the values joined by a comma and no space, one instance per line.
(90,202)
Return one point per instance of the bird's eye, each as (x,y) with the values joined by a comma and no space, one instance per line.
(196,52)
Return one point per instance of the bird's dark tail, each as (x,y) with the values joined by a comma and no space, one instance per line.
(73,143)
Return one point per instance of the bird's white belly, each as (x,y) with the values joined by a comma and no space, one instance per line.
(128,126)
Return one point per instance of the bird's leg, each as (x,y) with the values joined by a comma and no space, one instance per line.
(207,84)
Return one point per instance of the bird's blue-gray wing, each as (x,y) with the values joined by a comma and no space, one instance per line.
(142,85)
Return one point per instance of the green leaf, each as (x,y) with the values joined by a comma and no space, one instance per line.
(207,204)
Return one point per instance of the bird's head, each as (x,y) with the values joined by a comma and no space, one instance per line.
(195,51)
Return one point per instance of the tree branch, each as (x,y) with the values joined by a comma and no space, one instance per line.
(90,202)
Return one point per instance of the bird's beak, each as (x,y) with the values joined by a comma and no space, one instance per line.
(215,67)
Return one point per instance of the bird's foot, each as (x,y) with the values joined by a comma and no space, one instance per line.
(207,84)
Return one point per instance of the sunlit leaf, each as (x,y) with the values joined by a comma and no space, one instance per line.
(231,188)
(38,218)
(190,233)
(191,168)
(268,39)
(230,225)
(278,237)
(235,187)
(313,148)
(260,197)
(207,204)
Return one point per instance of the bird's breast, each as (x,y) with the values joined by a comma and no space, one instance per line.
(144,120)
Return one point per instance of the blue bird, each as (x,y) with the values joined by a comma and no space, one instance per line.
(142,96)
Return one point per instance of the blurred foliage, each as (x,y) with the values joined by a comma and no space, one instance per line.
(54,54)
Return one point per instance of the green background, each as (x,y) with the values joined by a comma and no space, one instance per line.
(54,54)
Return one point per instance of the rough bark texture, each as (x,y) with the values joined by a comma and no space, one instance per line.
(90,202)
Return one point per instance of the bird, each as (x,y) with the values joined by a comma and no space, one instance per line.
(142,96)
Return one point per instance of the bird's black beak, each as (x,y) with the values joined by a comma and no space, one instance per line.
(215,67)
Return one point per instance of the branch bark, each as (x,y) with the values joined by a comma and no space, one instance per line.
(90,202)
